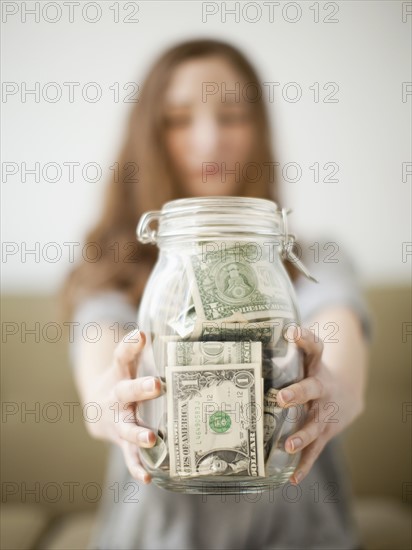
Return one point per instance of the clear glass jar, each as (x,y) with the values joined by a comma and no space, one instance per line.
(215,310)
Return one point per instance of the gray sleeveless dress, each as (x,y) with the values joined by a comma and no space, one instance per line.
(316,515)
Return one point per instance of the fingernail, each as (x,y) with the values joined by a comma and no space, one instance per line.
(298,476)
(146,478)
(295,443)
(148,385)
(163,387)
(144,436)
(287,395)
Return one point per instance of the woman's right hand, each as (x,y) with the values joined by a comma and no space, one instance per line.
(117,392)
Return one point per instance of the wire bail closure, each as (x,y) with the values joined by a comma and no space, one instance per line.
(287,247)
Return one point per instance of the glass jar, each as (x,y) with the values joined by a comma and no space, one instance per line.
(215,310)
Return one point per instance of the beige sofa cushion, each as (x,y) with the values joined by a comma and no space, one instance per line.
(22,525)
(71,531)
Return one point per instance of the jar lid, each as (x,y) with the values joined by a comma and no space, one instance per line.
(216,217)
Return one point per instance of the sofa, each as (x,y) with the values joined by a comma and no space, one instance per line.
(52,470)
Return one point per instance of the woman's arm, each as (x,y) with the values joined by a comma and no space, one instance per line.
(106,374)
(345,351)
(93,359)
(334,385)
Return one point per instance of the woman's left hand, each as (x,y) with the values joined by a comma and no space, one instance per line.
(330,408)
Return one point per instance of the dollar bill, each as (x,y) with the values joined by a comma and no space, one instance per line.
(172,309)
(270,401)
(213,353)
(184,322)
(222,319)
(215,424)
(273,417)
(238,332)
(228,284)
(155,456)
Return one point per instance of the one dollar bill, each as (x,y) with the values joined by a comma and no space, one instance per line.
(215,420)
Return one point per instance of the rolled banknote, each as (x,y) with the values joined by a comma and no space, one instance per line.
(273,418)
(155,456)
(185,321)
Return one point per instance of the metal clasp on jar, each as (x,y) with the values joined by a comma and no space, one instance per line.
(287,247)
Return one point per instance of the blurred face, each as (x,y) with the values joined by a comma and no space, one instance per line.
(208,134)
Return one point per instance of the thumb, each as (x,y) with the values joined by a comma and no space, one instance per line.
(311,345)
(133,463)
(127,352)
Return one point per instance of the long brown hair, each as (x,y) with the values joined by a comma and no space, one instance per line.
(144,181)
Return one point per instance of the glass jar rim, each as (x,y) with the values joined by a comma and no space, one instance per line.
(212,216)
(217,200)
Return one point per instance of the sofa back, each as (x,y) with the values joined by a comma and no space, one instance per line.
(48,457)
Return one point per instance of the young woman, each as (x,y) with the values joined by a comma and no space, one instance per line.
(185,117)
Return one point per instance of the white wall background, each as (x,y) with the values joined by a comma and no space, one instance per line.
(367,132)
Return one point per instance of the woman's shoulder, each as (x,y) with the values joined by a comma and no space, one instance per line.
(338,275)
(105,305)
(326,256)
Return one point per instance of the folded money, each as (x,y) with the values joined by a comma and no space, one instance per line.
(227,285)
(219,336)
(213,352)
(184,323)
(273,419)
(154,456)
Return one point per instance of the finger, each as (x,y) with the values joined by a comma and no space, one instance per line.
(309,456)
(301,392)
(311,344)
(307,434)
(133,462)
(138,389)
(127,352)
(132,432)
